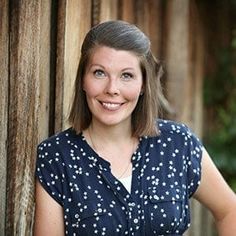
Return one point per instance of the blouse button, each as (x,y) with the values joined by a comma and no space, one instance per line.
(99,210)
(135,220)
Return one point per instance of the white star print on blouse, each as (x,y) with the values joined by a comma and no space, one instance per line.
(166,172)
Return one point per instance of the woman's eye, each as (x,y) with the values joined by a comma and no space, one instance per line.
(127,76)
(99,73)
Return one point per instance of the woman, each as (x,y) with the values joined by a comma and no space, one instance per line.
(118,170)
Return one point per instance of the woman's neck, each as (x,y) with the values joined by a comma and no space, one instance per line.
(111,134)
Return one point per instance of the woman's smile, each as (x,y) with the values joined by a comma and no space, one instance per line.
(111,106)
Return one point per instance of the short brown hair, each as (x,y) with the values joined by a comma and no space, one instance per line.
(120,35)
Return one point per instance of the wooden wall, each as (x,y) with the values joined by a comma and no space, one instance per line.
(39,52)
(4,85)
(28,80)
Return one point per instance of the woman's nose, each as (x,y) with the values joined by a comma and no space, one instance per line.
(112,87)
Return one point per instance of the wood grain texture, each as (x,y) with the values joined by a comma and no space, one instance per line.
(127,11)
(196,67)
(108,10)
(4,80)
(29,71)
(177,59)
(74,20)
(95,12)
(185,62)
(153,28)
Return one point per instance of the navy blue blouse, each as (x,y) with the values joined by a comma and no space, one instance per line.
(166,173)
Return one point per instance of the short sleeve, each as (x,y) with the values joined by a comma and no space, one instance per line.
(49,170)
(194,162)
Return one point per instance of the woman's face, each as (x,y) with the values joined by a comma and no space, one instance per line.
(112,83)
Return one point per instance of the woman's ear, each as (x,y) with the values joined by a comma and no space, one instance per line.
(142,91)
(83,87)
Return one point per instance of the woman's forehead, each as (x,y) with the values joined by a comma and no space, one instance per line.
(108,56)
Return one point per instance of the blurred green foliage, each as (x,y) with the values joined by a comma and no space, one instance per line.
(220,100)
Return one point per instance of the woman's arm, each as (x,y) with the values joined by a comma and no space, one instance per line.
(48,214)
(216,195)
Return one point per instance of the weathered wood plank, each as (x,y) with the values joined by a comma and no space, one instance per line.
(140,14)
(185,63)
(108,10)
(74,20)
(60,68)
(4,80)
(95,12)
(29,89)
(153,13)
(202,218)
(127,11)
(177,58)
(44,76)
(196,64)
(178,80)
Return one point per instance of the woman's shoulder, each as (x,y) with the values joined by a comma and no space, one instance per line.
(62,137)
(178,133)
(169,126)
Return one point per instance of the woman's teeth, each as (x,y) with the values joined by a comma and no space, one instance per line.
(111,106)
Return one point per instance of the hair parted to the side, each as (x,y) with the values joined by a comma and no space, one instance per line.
(120,35)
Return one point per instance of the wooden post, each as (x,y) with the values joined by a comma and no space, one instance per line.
(150,12)
(4,80)
(28,107)
(127,11)
(153,13)
(109,10)
(177,58)
(178,77)
(74,20)
(196,68)
(103,10)
(185,63)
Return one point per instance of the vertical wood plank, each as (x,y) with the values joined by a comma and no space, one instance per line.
(95,12)
(177,58)
(108,10)
(44,63)
(140,14)
(196,66)
(150,12)
(29,88)
(179,77)
(202,218)
(74,20)
(185,63)
(60,68)
(127,11)
(153,13)
(4,80)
